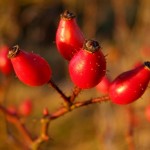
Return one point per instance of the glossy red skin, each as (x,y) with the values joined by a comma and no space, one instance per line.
(87,69)
(5,63)
(103,85)
(130,85)
(31,68)
(69,38)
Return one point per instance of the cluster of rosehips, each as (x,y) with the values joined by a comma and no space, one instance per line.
(87,64)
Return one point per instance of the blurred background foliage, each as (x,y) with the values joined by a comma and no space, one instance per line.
(121,26)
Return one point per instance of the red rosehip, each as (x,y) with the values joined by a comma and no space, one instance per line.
(130,85)
(25,108)
(30,68)
(69,38)
(5,63)
(103,85)
(88,66)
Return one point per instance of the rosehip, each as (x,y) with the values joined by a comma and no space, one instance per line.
(103,85)
(30,68)
(25,108)
(69,38)
(130,85)
(5,63)
(88,66)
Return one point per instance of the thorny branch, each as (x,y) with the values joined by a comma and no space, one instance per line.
(15,119)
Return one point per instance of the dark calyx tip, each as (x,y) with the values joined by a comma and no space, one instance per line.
(67,15)
(13,51)
(91,46)
(147,64)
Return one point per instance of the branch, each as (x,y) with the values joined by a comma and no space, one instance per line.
(65,98)
(15,119)
(34,144)
(75,93)
(63,110)
(43,134)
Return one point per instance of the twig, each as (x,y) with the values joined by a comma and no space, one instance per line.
(65,98)
(34,144)
(63,110)
(15,119)
(7,84)
(75,93)
(43,134)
